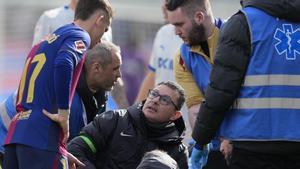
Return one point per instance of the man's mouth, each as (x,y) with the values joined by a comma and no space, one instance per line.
(152,108)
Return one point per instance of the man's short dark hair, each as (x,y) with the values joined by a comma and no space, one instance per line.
(85,8)
(188,6)
(174,4)
(175,86)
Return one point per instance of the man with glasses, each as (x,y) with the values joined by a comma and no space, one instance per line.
(120,138)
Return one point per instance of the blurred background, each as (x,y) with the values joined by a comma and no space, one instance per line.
(133,28)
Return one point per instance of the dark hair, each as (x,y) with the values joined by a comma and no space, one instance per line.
(175,86)
(188,6)
(101,53)
(157,159)
(174,4)
(85,8)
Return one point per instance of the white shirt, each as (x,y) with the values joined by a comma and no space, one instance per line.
(52,19)
(166,44)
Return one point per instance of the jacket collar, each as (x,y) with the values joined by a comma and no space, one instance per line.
(139,121)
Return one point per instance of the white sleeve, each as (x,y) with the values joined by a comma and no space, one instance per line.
(154,53)
(42,28)
(107,36)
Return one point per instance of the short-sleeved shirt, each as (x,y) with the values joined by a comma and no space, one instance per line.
(52,19)
(165,46)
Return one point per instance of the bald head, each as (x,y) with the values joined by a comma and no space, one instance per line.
(101,53)
(102,66)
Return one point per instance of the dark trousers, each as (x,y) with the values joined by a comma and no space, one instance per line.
(23,157)
(243,159)
(215,161)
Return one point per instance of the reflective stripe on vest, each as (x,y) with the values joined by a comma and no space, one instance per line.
(268,105)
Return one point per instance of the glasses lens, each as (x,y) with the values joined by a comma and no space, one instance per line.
(165,100)
(153,94)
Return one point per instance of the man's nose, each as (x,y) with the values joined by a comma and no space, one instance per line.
(156,99)
(119,74)
(177,31)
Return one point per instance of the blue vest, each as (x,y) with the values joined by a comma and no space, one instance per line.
(268,106)
(197,64)
(200,70)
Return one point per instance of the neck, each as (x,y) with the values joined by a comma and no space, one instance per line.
(82,24)
(90,84)
(88,25)
(210,26)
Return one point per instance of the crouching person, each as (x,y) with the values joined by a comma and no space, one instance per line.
(120,138)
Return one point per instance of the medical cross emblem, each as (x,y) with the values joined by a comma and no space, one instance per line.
(288,41)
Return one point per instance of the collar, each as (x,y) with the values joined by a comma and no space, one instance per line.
(174,132)
(212,43)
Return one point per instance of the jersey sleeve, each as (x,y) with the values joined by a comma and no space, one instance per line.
(186,80)
(69,56)
(154,53)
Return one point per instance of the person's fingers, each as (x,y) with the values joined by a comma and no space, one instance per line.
(75,161)
(65,128)
(66,137)
(53,117)
(72,166)
(63,124)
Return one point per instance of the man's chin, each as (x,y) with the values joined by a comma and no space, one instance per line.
(109,88)
(187,42)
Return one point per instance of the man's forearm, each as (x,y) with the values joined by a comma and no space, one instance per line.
(148,83)
(193,112)
(119,94)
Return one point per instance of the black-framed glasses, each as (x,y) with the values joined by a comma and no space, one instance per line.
(163,99)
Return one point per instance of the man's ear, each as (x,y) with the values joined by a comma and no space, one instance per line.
(176,116)
(199,17)
(100,19)
(97,67)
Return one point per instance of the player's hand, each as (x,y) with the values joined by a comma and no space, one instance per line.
(73,161)
(62,118)
(226,149)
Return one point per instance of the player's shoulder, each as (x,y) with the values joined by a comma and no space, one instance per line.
(75,35)
(72,30)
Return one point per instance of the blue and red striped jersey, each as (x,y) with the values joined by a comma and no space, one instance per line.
(48,82)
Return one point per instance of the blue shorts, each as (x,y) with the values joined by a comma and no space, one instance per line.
(19,156)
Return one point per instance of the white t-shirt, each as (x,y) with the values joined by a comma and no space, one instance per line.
(52,19)
(166,44)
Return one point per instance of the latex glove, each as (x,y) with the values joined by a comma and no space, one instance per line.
(198,157)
